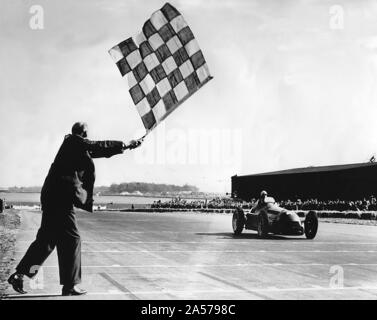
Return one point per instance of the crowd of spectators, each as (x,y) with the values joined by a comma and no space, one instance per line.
(367,204)
(216,203)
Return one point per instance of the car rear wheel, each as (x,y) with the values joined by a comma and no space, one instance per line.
(238,221)
(311,225)
(262,225)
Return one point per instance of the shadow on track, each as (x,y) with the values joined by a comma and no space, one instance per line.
(230,235)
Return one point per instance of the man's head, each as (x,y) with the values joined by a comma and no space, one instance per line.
(80,129)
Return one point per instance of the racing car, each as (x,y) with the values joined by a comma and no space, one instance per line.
(267,217)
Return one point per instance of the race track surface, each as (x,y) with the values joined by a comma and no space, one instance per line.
(196,256)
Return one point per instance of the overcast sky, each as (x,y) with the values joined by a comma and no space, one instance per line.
(295,85)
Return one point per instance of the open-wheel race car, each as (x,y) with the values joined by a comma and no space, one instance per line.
(267,217)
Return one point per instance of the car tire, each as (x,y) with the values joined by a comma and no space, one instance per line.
(311,225)
(262,225)
(238,221)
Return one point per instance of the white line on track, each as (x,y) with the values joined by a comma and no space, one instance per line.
(226,251)
(247,241)
(243,265)
(273,289)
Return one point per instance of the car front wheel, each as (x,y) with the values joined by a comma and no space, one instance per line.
(311,225)
(238,221)
(262,225)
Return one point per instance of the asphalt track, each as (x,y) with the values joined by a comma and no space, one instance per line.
(195,256)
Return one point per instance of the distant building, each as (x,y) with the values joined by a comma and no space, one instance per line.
(346,182)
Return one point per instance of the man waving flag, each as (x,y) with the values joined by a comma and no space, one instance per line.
(164,65)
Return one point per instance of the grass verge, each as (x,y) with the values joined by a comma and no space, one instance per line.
(9,224)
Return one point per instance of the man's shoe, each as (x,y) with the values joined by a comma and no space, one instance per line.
(17,282)
(73,291)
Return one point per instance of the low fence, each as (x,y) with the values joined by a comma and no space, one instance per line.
(177,210)
(363,215)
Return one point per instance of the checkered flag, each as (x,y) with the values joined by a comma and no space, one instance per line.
(164,65)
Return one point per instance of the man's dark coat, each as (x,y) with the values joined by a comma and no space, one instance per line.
(72,174)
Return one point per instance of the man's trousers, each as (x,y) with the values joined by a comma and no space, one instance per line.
(58,229)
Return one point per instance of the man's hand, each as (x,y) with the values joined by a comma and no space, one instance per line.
(132,144)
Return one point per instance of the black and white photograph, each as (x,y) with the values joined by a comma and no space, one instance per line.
(200,151)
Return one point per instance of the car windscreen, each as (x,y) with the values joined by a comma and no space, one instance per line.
(269,200)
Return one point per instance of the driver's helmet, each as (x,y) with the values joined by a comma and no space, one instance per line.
(263,194)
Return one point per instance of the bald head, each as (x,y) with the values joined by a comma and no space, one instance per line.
(80,129)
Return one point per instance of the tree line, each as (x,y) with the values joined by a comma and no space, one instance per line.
(145,187)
